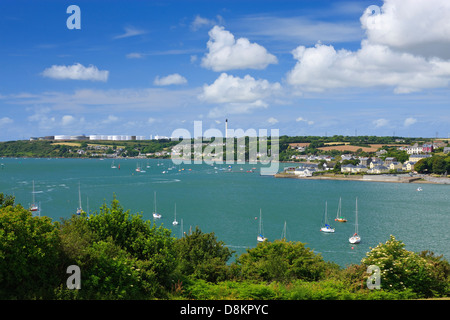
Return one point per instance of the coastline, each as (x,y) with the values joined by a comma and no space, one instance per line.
(373,178)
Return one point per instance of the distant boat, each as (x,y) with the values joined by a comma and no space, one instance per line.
(138,168)
(419,189)
(79,209)
(355,238)
(260,237)
(113,166)
(326,227)
(284,233)
(175,222)
(34,207)
(339,217)
(156,215)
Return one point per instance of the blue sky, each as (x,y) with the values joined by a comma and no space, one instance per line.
(150,67)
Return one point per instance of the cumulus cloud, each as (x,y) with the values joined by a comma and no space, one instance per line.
(76,72)
(419,27)
(322,67)
(231,89)
(67,120)
(238,95)
(169,80)
(227,53)
(383,59)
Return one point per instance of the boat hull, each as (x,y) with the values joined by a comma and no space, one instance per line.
(328,230)
(354,239)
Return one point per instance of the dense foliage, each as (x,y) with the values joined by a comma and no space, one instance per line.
(436,164)
(121,256)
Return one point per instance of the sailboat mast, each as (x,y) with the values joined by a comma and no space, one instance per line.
(356,220)
(79,195)
(33,194)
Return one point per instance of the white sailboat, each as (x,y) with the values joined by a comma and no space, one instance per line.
(156,215)
(260,237)
(79,209)
(284,233)
(339,217)
(355,238)
(113,166)
(175,222)
(34,207)
(326,227)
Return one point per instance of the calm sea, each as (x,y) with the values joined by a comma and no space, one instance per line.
(228,203)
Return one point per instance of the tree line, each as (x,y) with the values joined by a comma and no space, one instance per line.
(122,256)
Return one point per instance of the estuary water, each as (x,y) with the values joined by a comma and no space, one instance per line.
(227,201)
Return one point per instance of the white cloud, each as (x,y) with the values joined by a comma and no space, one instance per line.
(110,119)
(200,22)
(226,53)
(67,120)
(231,89)
(169,80)
(76,72)
(238,95)
(5,121)
(272,120)
(380,122)
(130,32)
(135,55)
(389,57)
(409,121)
(418,27)
(301,119)
(322,67)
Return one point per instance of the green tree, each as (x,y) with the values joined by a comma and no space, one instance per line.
(138,258)
(438,165)
(423,166)
(402,269)
(201,256)
(6,201)
(281,261)
(29,255)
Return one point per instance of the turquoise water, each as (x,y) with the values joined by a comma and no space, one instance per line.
(228,203)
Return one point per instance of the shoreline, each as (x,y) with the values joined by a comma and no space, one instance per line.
(372,178)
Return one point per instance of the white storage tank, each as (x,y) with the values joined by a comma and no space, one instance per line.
(62,137)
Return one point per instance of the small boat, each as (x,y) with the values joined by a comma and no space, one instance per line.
(355,238)
(156,215)
(260,237)
(175,222)
(339,217)
(34,207)
(79,209)
(113,166)
(284,233)
(326,227)
(419,189)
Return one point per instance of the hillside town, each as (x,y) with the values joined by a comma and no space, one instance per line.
(378,162)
